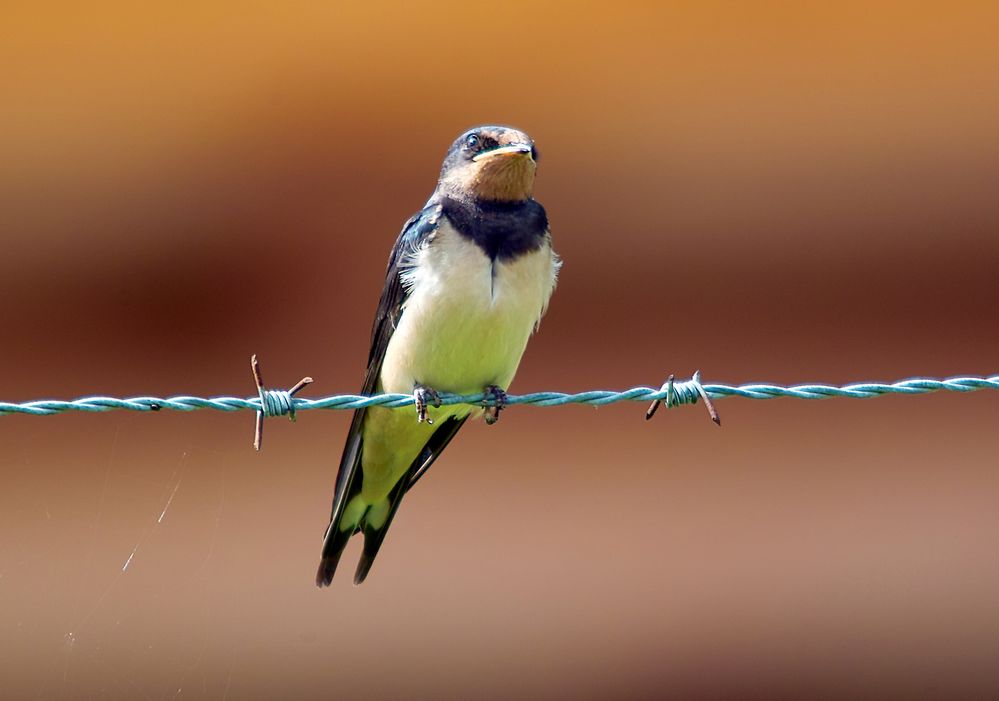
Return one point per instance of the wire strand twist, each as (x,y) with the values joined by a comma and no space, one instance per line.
(862,390)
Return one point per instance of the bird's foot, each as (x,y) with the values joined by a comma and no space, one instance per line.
(421,395)
(498,398)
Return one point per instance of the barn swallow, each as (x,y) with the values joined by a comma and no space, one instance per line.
(468,281)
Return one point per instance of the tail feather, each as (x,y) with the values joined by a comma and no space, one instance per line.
(348,486)
(352,515)
(335,541)
(337,536)
(374,533)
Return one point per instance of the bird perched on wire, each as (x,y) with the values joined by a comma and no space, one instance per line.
(467,283)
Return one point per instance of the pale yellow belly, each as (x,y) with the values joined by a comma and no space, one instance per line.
(467,320)
(465,326)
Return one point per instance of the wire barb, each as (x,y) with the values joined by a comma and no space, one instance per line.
(687,392)
(272,402)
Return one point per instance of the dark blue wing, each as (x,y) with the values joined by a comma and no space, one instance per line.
(414,233)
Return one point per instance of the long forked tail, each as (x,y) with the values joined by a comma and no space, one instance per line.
(371,519)
(378,517)
(351,514)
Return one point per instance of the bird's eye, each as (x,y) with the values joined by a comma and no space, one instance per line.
(472,142)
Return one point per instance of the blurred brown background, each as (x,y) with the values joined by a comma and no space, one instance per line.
(778,192)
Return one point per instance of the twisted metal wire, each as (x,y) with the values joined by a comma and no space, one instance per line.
(283,404)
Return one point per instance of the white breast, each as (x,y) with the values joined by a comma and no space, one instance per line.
(467,320)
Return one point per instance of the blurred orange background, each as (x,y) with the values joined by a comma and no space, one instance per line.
(780,192)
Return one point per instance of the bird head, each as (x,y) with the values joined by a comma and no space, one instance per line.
(490,163)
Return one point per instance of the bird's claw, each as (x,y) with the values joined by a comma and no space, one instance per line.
(422,393)
(497,397)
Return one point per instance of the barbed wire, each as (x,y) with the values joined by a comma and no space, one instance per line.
(672,393)
(861,390)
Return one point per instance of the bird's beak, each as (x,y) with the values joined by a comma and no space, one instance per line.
(508,150)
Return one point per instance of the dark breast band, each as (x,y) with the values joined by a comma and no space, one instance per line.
(504,230)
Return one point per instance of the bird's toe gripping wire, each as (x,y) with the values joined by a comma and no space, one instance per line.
(686,392)
(273,402)
(494,399)
(421,396)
